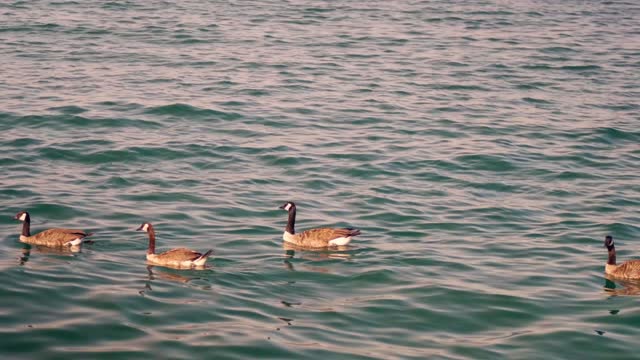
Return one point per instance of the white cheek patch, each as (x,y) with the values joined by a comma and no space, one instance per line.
(288,206)
(145,227)
(23,217)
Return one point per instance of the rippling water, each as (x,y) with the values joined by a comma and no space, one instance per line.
(484,148)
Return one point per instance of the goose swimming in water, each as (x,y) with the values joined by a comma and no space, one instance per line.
(51,237)
(628,270)
(317,238)
(177,258)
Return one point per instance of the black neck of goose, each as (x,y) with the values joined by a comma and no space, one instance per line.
(612,255)
(26,226)
(292,222)
(152,240)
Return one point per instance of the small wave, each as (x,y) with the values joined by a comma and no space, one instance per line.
(186,110)
(65,121)
(581,67)
(537,67)
(73,110)
(459,87)
(557,49)
(536,101)
(612,134)
(487,162)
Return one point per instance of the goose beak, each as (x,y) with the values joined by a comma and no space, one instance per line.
(140,227)
(279,207)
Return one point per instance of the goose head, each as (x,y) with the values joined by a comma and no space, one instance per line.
(144,227)
(288,206)
(22,216)
(608,242)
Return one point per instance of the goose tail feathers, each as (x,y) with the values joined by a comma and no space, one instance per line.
(205,255)
(353,232)
(202,258)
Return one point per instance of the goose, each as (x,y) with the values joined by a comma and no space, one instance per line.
(317,238)
(627,270)
(51,237)
(178,258)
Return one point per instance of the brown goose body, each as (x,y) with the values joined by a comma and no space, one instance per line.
(627,270)
(315,238)
(52,237)
(180,258)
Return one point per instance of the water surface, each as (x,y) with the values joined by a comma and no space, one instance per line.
(484,149)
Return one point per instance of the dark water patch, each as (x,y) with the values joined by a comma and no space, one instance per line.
(369,120)
(402,93)
(117,182)
(10,193)
(535,101)
(581,68)
(121,6)
(492,13)
(320,10)
(234,103)
(533,85)
(285,161)
(618,107)
(557,49)
(119,106)
(486,162)
(188,111)
(133,154)
(612,135)
(448,109)
(302,111)
(189,40)
(44,27)
(258,92)
(21,143)
(571,176)
(499,187)
(72,110)
(537,67)
(60,122)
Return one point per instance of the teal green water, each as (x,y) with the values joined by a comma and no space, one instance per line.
(483,148)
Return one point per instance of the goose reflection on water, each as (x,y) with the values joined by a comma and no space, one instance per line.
(313,254)
(154,273)
(27,250)
(166,275)
(617,287)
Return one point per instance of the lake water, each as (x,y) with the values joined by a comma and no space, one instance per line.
(483,148)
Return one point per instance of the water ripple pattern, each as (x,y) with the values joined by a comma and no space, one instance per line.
(484,149)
